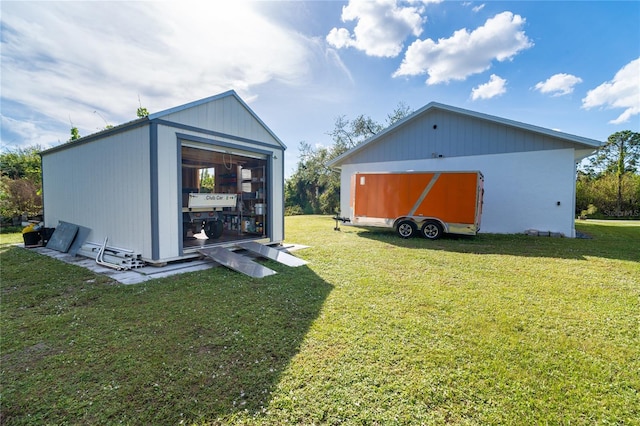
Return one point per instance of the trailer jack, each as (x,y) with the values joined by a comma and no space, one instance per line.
(339,219)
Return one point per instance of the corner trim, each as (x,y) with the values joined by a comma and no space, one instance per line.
(153,183)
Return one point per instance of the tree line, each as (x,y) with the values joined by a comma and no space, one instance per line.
(608,186)
(20,182)
(314,188)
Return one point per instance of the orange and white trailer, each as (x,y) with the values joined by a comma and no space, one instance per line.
(432,203)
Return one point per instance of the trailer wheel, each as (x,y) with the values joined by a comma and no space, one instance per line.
(432,230)
(406,229)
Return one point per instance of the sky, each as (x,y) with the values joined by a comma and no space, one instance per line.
(571,66)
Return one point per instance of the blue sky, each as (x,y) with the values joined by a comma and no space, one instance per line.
(571,66)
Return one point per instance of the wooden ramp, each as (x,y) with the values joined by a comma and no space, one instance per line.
(243,264)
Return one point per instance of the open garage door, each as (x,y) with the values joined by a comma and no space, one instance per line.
(224,196)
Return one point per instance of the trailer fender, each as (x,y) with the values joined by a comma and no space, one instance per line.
(397,221)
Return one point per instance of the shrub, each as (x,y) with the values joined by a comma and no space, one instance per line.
(293,211)
(19,196)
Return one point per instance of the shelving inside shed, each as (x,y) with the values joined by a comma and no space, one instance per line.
(237,186)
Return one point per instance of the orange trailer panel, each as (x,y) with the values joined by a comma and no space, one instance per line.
(452,198)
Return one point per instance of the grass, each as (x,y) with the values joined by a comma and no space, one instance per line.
(10,238)
(496,329)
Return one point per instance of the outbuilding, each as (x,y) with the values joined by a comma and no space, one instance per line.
(529,171)
(207,173)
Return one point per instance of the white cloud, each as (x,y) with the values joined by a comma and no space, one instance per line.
(558,84)
(37,133)
(382,26)
(466,53)
(339,38)
(65,60)
(478,8)
(621,92)
(496,86)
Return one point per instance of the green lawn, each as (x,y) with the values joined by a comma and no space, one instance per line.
(494,329)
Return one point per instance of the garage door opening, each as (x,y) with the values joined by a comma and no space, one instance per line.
(224,196)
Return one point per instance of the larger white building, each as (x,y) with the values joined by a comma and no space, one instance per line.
(529,171)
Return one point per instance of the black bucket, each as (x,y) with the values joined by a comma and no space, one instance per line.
(46,234)
(31,238)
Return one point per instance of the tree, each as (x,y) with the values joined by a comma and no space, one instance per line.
(207,180)
(21,182)
(75,134)
(618,156)
(402,110)
(142,112)
(19,196)
(22,163)
(314,187)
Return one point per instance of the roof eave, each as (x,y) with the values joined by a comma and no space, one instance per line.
(101,134)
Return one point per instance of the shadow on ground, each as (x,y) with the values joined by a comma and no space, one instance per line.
(619,243)
(199,346)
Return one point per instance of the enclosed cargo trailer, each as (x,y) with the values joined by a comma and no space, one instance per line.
(431,203)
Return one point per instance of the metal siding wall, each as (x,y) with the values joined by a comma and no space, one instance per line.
(521,189)
(225,115)
(456,135)
(102,185)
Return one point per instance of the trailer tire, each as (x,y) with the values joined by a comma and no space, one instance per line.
(406,229)
(432,230)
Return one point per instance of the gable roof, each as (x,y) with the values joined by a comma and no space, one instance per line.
(229,93)
(580,142)
(159,116)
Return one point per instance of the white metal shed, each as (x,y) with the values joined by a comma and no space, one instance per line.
(211,163)
(529,171)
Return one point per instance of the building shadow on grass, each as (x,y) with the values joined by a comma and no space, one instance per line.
(204,346)
(600,241)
